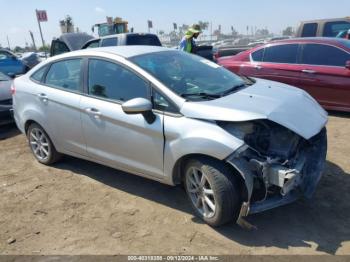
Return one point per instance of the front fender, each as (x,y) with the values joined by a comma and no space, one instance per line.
(186,136)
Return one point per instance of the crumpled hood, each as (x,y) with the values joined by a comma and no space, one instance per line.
(288,106)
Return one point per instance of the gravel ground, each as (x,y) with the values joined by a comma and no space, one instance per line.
(78,207)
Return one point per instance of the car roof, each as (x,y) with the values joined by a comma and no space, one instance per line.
(126,34)
(123,51)
(315,39)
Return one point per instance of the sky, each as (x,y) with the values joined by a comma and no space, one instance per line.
(17,17)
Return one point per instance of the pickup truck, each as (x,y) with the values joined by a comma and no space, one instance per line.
(123,39)
(334,27)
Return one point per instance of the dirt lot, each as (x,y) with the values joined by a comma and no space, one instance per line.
(78,207)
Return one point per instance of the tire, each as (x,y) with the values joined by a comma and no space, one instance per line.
(216,183)
(41,145)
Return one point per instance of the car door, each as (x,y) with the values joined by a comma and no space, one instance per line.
(246,64)
(279,63)
(113,137)
(324,75)
(59,96)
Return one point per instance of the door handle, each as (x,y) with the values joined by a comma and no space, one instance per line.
(43,97)
(93,111)
(307,71)
(258,67)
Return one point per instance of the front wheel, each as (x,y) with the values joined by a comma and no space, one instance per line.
(212,190)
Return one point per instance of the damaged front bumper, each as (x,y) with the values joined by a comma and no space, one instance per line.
(282,185)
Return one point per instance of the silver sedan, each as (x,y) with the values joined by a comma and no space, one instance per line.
(239,145)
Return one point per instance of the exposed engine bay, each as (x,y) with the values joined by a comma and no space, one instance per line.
(273,160)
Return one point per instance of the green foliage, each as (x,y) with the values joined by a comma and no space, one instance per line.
(289,31)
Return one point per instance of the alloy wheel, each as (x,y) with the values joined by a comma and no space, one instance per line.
(39,143)
(200,192)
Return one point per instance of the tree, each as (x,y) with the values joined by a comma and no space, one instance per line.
(18,49)
(161,32)
(203,25)
(234,33)
(45,48)
(289,31)
(183,28)
(262,32)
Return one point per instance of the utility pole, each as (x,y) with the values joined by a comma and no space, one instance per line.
(32,36)
(211,31)
(8,42)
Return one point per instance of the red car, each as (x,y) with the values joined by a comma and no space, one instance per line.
(320,66)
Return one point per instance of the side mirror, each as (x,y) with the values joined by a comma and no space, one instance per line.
(139,106)
(347,64)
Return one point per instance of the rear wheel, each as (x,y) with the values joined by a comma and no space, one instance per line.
(41,145)
(212,190)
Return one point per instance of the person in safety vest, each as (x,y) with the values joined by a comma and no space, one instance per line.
(187,43)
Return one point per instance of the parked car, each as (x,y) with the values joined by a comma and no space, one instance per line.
(10,64)
(240,146)
(140,39)
(68,42)
(320,66)
(323,27)
(5,99)
(30,59)
(124,39)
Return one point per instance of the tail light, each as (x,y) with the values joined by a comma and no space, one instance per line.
(13,89)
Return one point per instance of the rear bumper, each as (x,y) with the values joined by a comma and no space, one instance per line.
(315,155)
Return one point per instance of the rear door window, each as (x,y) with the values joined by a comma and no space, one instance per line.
(143,40)
(333,29)
(309,30)
(281,54)
(65,74)
(317,54)
(112,41)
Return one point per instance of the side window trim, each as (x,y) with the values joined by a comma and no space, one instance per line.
(115,101)
(80,89)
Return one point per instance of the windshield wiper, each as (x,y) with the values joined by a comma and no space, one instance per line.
(234,88)
(201,94)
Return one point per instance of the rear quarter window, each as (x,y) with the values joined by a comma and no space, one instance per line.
(113,41)
(309,30)
(257,56)
(39,74)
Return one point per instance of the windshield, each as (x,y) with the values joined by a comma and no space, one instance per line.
(187,74)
